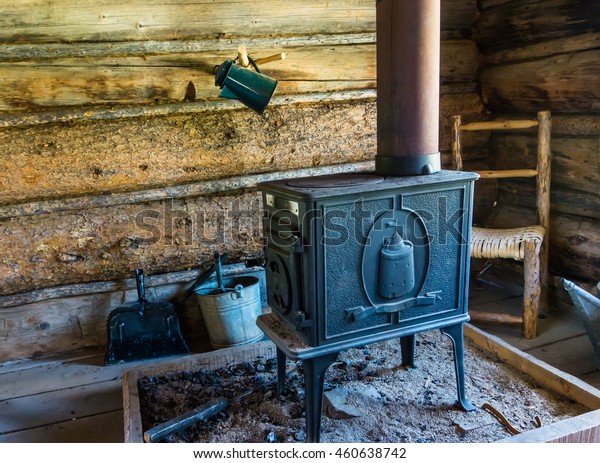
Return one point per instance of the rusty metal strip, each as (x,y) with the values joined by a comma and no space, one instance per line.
(502,419)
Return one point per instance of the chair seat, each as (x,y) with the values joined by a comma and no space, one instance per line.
(508,243)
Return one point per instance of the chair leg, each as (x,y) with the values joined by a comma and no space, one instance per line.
(532,290)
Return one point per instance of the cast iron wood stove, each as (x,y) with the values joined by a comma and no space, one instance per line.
(353,259)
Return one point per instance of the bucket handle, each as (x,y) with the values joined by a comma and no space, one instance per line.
(238,292)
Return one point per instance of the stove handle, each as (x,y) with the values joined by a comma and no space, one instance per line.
(360,313)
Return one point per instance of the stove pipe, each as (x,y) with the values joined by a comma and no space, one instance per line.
(408,82)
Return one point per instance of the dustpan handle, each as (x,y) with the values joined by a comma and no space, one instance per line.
(139,284)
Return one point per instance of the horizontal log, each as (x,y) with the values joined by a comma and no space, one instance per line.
(229,185)
(563,198)
(155,284)
(574,159)
(48,250)
(562,83)
(576,124)
(166,78)
(50,51)
(54,116)
(147,153)
(516,23)
(575,246)
(37,21)
(126,155)
(571,44)
(75,247)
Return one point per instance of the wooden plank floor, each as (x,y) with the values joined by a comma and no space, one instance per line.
(562,340)
(80,399)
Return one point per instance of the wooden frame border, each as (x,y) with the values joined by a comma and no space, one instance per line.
(582,428)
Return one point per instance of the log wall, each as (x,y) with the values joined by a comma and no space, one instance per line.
(540,55)
(116,154)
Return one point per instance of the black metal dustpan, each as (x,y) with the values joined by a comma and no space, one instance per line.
(142,329)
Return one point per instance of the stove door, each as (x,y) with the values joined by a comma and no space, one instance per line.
(283,273)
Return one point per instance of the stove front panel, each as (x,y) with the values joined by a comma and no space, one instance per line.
(344,233)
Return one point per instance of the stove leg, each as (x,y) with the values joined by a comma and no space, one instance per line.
(314,378)
(455,333)
(407,349)
(281,359)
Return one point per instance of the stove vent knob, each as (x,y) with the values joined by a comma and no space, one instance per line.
(396,276)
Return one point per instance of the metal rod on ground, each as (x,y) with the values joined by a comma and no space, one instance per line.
(203,412)
(180,422)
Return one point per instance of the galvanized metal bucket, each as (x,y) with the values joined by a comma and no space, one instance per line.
(587,307)
(230,312)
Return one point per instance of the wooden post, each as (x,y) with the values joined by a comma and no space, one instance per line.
(456,143)
(544,160)
(531,291)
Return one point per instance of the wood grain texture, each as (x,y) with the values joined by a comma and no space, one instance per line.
(563,199)
(567,83)
(109,243)
(532,290)
(36,21)
(151,79)
(64,160)
(39,21)
(562,45)
(60,406)
(575,161)
(145,153)
(544,55)
(543,188)
(515,23)
(102,428)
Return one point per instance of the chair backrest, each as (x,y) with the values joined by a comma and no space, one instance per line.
(542,170)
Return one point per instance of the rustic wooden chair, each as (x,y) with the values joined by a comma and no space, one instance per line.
(527,244)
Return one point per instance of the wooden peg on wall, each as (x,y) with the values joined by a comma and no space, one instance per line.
(244,61)
(268,59)
(243,56)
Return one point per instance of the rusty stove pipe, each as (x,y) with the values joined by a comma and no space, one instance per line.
(408,82)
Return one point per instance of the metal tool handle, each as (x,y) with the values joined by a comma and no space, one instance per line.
(139,284)
(218,262)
